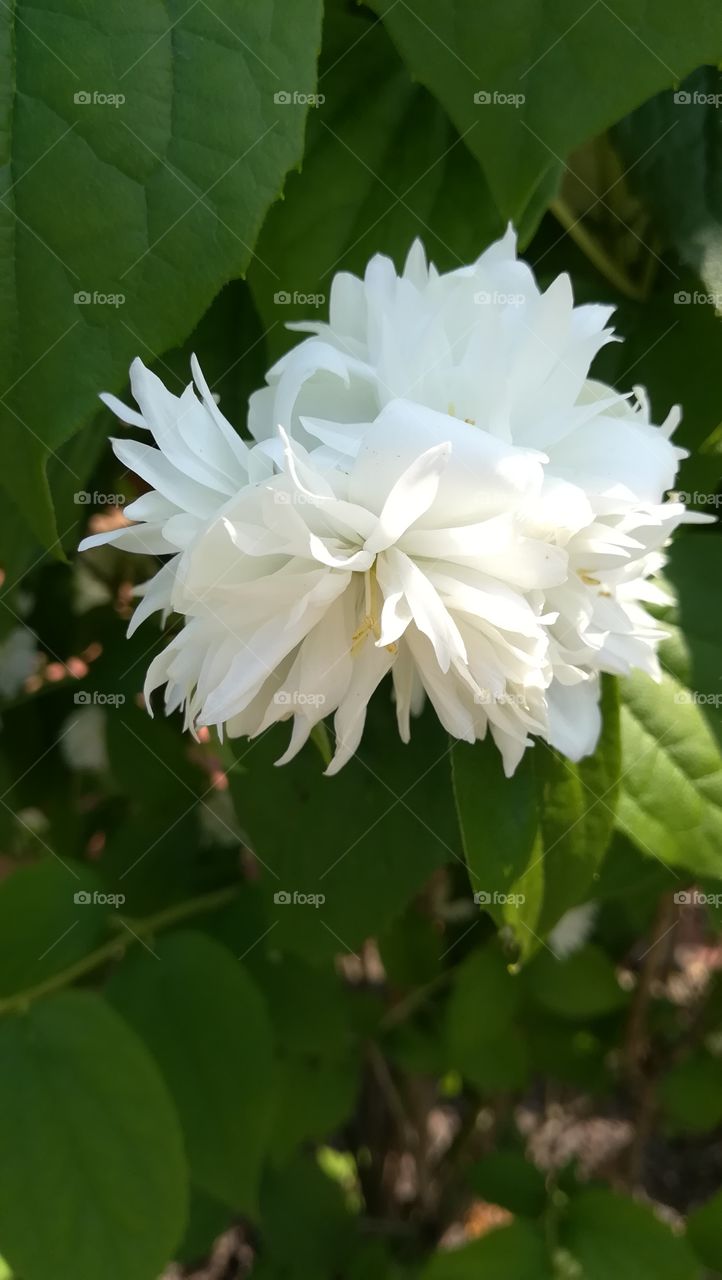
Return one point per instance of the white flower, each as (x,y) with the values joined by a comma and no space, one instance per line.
(437,490)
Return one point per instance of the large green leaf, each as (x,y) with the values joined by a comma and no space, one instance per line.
(205,1023)
(166,188)
(364,840)
(609,1235)
(577,69)
(517,1250)
(383,166)
(671,796)
(92,1170)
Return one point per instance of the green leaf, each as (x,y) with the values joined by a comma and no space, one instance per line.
(364,840)
(51,915)
(517,1250)
(691,1094)
(577,808)
(542,833)
(384,166)
(672,149)
(506,1178)
(172,182)
(671,798)
(88,1132)
(704,1232)
(582,986)
(609,1235)
(319,1066)
(207,1027)
(307,1228)
(482,1040)
(499,822)
(577,71)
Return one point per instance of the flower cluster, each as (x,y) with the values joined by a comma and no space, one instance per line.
(434,489)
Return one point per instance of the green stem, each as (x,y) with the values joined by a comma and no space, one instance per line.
(595,252)
(136,931)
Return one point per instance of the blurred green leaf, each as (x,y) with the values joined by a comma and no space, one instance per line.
(364,840)
(482,1040)
(51,915)
(704,1232)
(609,1235)
(517,1250)
(582,986)
(690,1094)
(88,1132)
(506,1178)
(207,1027)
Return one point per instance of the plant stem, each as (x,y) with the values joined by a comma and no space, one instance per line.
(595,252)
(135,931)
